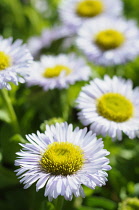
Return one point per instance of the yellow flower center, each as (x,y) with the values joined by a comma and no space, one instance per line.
(5,61)
(115,107)
(109,39)
(89,8)
(55,71)
(62,158)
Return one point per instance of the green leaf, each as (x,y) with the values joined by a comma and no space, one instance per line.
(136,187)
(100,202)
(73,91)
(4,116)
(127,154)
(47,205)
(88,191)
(7,177)
(8,147)
(18,138)
(88,208)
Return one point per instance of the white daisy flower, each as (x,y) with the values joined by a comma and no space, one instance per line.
(35,45)
(110,106)
(48,36)
(15,60)
(109,41)
(62,159)
(74,12)
(55,33)
(58,71)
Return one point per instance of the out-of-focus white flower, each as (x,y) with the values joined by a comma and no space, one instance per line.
(35,45)
(41,6)
(15,60)
(58,71)
(74,12)
(62,159)
(48,36)
(109,41)
(110,106)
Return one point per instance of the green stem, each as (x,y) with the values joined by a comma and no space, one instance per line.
(65,105)
(59,203)
(7,102)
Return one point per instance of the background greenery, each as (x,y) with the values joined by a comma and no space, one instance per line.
(23,19)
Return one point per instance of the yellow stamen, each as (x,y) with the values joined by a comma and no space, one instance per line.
(109,39)
(5,61)
(115,107)
(62,158)
(89,8)
(55,71)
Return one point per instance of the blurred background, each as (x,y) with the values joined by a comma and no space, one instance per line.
(25,19)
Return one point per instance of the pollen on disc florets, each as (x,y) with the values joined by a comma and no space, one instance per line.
(109,39)
(62,158)
(55,71)
(115,107)
(89,8)
(5,61)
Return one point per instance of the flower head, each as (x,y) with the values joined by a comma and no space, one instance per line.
(109,41)
(58,71)
(110,106)
(15,60)
(75,12)
(47,37)
(62,159)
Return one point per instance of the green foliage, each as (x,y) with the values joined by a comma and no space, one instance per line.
(131,9)
(129,204)
(100,202)
(47,205)
(20,19)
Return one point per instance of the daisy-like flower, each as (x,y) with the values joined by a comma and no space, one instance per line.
(15,60)
(48,36)
(110,106)
(109,41)
(62,159)
(55,33)
(74,12)
(58,71)
(35,45)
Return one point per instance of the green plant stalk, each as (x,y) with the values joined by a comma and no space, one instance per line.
(65,105)
(59,203)
(7,102)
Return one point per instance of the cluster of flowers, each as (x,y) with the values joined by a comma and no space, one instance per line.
(62,159)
